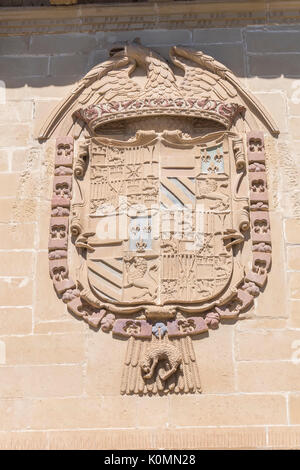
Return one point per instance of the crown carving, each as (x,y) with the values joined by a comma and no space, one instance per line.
(96,115)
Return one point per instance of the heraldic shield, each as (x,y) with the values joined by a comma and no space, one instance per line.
(159,207)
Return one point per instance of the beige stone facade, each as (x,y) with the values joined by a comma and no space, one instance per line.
(59,378)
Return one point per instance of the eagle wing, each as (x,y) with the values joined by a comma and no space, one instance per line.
(188,379)
(204,77)
(116,83)
(132,380)
(104,82)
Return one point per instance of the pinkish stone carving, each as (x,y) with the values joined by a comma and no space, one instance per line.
(64,151)
(259,217)
(260,227)
(75,306)
(96,115)
(212,319)
(59,223)
(258,187)
(256,148)
(107,322)
(57,254)
(136,328)
(160,146)
(58,233)
(70,294)
(186,326)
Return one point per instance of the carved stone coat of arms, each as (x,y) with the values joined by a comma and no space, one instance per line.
(159,225)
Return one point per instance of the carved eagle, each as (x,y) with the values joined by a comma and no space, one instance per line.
(113,80)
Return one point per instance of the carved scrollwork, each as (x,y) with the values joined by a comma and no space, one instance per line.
(81,161)
(164,214)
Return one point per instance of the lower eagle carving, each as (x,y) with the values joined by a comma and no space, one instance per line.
(160,357)
(159,217)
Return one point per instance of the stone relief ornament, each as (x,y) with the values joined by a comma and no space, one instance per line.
(159,227)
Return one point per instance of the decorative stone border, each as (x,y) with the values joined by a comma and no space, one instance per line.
(59,222)
(259,210)
(139,16)
(64,286)
(256,278)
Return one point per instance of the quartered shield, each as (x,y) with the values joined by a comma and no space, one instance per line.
(161,215)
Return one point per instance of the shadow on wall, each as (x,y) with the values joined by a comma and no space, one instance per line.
(62,59)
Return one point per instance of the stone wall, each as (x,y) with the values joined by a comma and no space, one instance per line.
(59,379)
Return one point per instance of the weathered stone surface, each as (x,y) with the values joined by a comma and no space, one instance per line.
(68,65)
(276,104)
(259,344)
(102,439)
(271,65)
(23,440)
(294,127)
(59,380)
(272,41)
(65,44)
(22,160)
(14,135)
(85,412)
(217,35)
(14,263)
(218,347)
(4,160)
(284,437)
(205,410)
(281,376)
(250,324)
(294,408)
(15,321)
(48,307)
(22,66)
(103,380)
(294,313)
(8,184)
(16,236)
(20,111)
(65,326)
(11,45)
(293,259)
(294,284)
(41,381)
(292,230)
(193,438)
(155,37)
(16,291)
(45,349)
